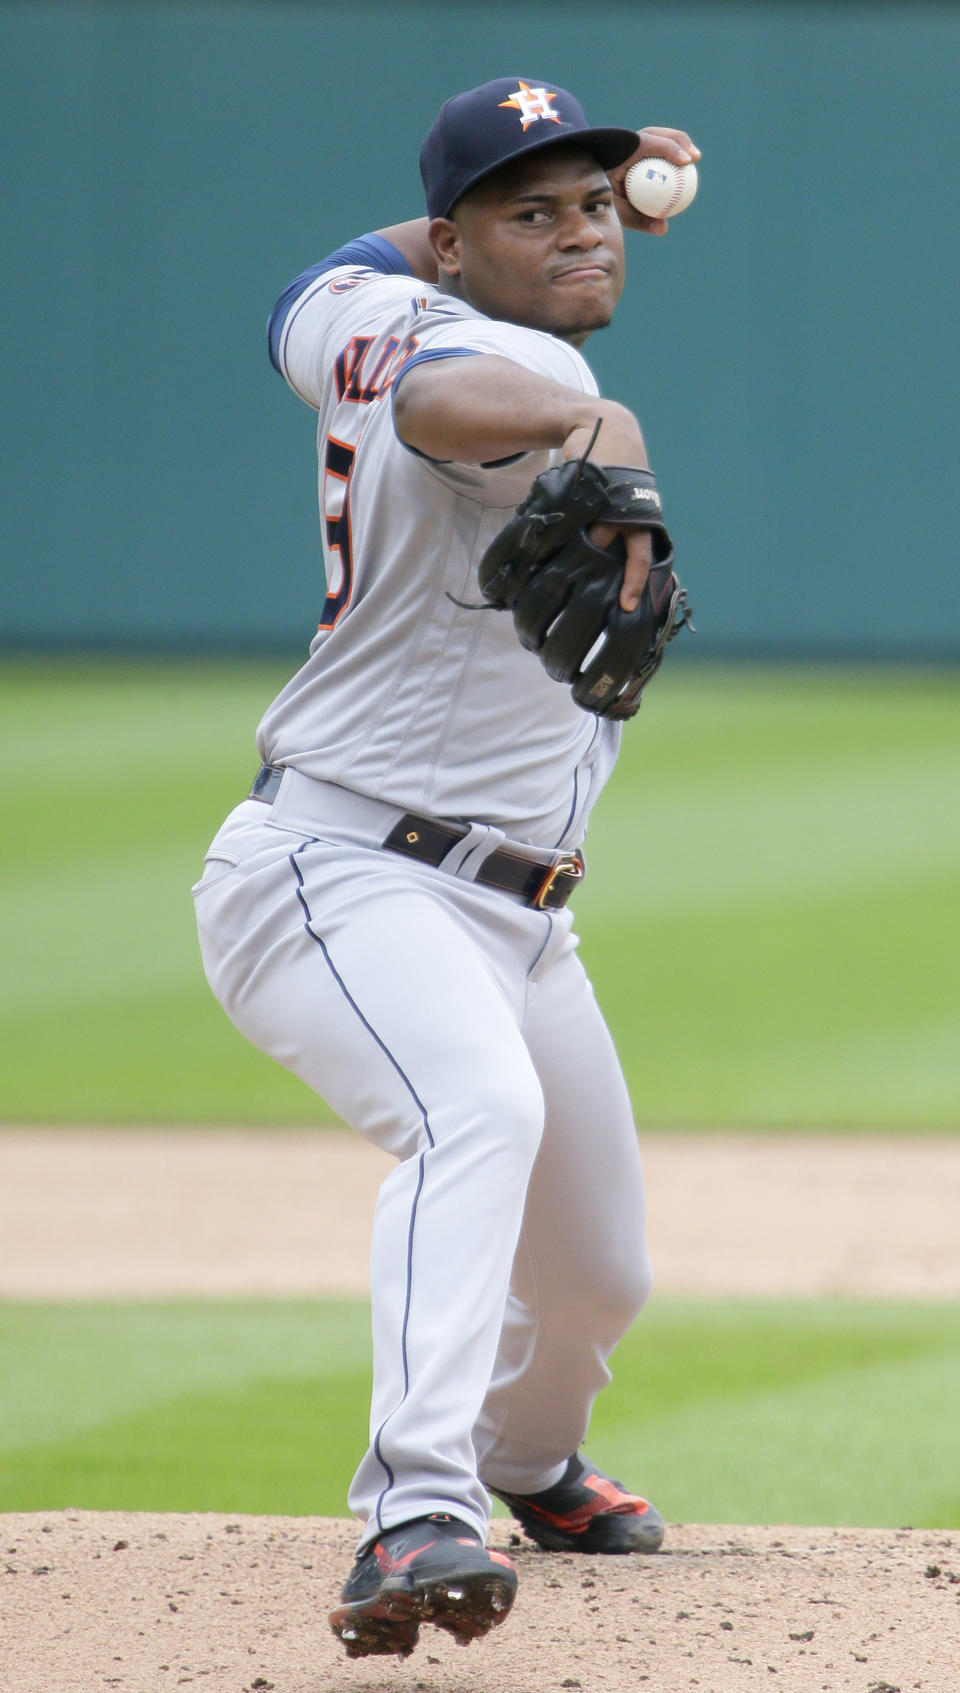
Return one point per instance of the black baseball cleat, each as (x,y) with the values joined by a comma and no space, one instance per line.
(586,1511)
(433,1569)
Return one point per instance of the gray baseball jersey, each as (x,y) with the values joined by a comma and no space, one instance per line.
(413,692)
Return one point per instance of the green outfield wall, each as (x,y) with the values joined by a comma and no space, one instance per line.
(791,347)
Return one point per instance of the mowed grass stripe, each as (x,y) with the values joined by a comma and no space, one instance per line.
(838,1012)
(71,1367)
(790,835)
(150,1056)
(797,1412)
(109,925)
(803,1412)
(772,915)
(110,754)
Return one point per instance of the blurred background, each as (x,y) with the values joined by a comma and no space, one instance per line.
(791,347)
(772,917)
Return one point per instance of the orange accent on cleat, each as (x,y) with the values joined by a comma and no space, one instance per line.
(390,1565)
(624,1504)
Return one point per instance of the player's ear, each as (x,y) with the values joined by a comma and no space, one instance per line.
(444,238)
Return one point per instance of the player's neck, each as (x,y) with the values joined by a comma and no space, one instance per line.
(451,285)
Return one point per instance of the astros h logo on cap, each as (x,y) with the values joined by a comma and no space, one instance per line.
(477,132)
(532,103)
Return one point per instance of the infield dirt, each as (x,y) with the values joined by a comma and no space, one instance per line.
(101,1213)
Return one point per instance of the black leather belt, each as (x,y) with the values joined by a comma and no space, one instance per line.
(544,887)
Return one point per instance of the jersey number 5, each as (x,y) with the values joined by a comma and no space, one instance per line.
(337,465)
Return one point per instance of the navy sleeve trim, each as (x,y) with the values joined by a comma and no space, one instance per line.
(372,252)
(425,357)
(427,354)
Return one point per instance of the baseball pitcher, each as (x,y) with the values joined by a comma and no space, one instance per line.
(386,911)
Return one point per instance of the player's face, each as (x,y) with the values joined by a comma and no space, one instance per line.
(539,243)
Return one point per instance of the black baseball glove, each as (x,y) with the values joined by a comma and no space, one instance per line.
(565,593)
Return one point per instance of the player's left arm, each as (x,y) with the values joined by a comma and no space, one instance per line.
(485,407)
(410,239)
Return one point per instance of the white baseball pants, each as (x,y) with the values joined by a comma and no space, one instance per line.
(455,1028)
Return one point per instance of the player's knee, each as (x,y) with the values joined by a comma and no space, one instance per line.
(509,1109)
(633,1286)
(618,1289)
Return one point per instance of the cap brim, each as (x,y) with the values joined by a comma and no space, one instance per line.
(609,147)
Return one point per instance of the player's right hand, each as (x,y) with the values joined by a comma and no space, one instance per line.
(653,143)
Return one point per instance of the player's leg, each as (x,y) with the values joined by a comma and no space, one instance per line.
(343,967)
(581,1273)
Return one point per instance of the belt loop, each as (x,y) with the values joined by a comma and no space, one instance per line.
(266,783)
(470,854)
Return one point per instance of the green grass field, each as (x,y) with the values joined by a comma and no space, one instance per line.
(772,921)
(820,1413)
(772,915)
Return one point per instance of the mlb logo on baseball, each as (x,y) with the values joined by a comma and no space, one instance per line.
(659,188)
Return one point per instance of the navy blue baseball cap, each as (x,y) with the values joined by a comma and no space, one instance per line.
(477,132)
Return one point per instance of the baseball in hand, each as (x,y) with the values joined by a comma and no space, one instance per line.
(658,188)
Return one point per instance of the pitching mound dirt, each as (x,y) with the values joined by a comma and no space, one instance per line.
(148,1603)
